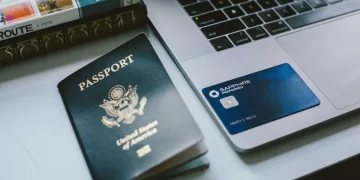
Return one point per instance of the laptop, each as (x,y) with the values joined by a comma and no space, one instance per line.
(265,69)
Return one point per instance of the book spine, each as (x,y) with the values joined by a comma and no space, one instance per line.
(70,34)
(19,18)
(37,23)
(89,9)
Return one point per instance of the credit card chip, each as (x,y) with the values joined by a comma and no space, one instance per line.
(229,102)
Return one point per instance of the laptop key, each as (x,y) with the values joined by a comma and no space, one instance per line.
(277,27)
(239,1)
(220,3)
(209,18)
(234,11)
(221,43)
(251,7)
(239,38)
(285,11)
(301,6)
(186,2)
(269,15)
(252,20)
(199,8)
(285,1)
(317,3)
(257,33)
(266,4)
(333,1)
(322,14)
(223,28)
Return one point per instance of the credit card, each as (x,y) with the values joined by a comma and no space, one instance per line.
(261,97)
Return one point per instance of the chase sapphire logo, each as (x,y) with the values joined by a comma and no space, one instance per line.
(214,93)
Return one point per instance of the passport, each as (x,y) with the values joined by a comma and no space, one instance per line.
(261,97)
(128,117)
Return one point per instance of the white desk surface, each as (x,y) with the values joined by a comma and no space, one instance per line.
(37,141)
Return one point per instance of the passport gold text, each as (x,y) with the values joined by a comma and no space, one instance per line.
(106,72)
(138,135)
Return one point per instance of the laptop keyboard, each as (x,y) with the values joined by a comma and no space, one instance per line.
(229,23)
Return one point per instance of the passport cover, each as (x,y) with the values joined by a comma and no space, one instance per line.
(127,115)
(261,97)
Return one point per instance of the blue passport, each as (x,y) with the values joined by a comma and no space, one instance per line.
(129,119)
(259,98)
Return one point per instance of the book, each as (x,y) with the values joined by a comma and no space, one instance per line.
(72,33)
(19,17)
(129,119)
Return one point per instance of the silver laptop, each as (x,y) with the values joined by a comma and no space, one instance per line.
(214,41)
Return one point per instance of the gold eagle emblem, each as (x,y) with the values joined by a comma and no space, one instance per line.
(121,106)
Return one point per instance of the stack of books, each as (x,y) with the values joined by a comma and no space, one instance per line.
(30,28)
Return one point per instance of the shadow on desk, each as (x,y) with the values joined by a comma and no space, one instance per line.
(348,169)
(302,138)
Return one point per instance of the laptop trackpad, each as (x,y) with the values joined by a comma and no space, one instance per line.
(330,55)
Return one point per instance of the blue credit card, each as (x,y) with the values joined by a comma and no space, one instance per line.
(259,98)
